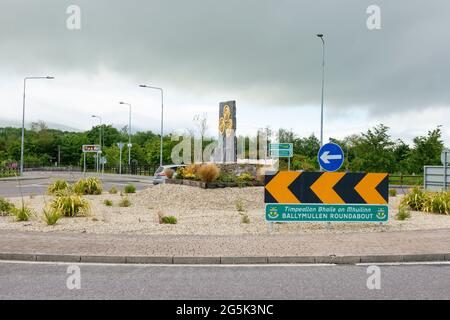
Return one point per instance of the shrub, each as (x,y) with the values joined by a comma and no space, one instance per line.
(129,188)
(189,172)
(88,186)
(51,216)
(392,192)
(23,213)
(6,207)
(436,202)
(113,190)
(57,186)
(208,172)
(108,203)
(403,213)
(240,205)
(226,177)
(169,173)
(245,219)
(124,203)
(415,199)
(167,219)
(71,205)
(245,177)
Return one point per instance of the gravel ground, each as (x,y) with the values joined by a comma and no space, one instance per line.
(199,212)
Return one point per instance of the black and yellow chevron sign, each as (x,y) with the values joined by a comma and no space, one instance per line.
(326,187)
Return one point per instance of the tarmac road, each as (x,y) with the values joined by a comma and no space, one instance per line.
(37,183)
(32,280)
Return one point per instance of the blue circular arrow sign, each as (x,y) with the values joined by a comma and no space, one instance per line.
(331,157)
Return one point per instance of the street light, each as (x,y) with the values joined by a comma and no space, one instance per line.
(323,83)
(23,116)
(162,119)
(129,134)
(101,124)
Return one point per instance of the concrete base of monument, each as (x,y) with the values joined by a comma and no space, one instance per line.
(215,184)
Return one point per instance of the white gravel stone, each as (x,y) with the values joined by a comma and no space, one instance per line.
(199,212)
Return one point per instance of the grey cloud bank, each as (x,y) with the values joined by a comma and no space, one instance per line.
(266,51)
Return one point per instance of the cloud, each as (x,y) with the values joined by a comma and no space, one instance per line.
(260,50)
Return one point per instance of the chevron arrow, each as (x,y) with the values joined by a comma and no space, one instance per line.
(278,187)
(367,188)
(323,187)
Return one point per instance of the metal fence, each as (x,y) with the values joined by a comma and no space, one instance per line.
(143,170)
(434,177)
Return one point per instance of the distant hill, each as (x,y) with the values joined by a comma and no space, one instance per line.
(50,125)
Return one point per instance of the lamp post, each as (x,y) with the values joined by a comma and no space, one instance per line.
(323,84)
(129,134)
(162,119)
(23,116)
(101,124)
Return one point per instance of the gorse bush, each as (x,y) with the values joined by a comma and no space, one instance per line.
(208,172)
(23,213)
(51,216)
(435,202)
(129,188)
(6,207)
(189,172)
(58,186)
(91,186)
(71,205)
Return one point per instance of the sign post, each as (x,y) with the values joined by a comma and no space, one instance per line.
(445,159)
(90,148)
(120,145)
(282,150)
(326,197)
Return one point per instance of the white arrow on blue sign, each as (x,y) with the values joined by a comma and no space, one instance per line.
(331,157)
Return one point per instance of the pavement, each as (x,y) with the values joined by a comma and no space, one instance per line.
(278,282)
(34,183)
(350,248)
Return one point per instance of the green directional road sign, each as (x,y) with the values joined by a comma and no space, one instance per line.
(280,153)
(313,212)
(281,150)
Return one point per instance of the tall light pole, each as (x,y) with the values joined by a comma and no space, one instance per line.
(129,134)
(23,116)
(323,84)
(101,144)
(162,119)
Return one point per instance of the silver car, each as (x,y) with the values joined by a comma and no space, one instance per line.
(160,174)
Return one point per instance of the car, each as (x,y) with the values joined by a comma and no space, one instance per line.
(160,174)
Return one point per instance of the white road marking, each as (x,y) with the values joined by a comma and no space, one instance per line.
(166,265)
(417,263)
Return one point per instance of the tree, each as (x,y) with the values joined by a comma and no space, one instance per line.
(374,151)
(426,151)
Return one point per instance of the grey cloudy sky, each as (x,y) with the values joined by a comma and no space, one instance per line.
(262,53)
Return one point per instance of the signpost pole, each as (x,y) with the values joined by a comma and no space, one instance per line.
(289,163)
(445,171)
(84,162)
